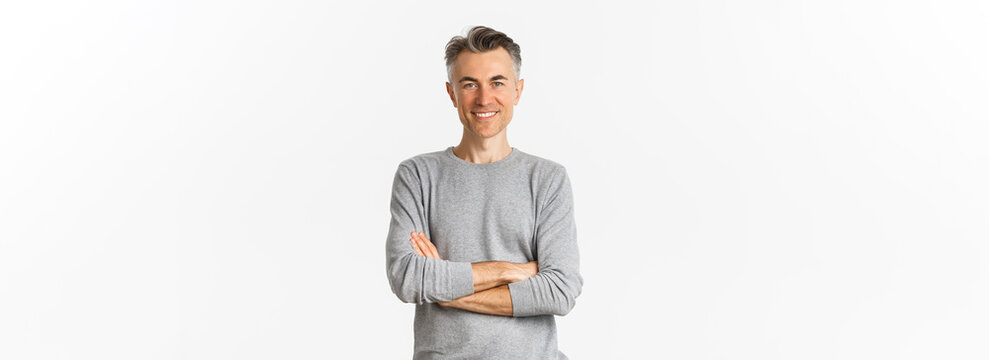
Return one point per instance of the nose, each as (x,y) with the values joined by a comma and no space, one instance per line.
(484,96)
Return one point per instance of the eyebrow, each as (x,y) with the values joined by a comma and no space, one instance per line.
(493,78)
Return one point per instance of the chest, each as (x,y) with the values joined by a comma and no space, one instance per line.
(483,218)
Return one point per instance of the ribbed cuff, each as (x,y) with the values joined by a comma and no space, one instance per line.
(523,298)
(461,279)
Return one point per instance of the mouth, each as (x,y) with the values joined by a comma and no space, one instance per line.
(484,115)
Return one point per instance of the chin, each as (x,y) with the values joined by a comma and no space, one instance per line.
(488,133)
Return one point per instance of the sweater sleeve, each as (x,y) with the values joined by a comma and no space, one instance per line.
(555,288)
(415,278)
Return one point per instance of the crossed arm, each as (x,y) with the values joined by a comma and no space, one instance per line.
(491,278)
(492,287)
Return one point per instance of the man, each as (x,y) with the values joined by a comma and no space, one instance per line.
(482,236)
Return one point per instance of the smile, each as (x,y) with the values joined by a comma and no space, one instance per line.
(485,115)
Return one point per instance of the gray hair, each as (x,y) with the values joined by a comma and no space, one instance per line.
(481,39)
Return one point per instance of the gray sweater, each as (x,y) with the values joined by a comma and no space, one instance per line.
(517,209)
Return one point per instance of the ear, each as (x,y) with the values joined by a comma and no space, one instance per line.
(518,90)
(453,96)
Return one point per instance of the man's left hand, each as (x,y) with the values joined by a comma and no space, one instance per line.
(423,247)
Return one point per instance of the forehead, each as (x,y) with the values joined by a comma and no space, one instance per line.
(483,65)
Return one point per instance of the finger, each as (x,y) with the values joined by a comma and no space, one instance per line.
(415,244)
(421,242)
(415,247)
(431,247)
(427,246)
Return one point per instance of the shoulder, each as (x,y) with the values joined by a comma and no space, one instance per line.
(422,162)
(543,167)
(546,176)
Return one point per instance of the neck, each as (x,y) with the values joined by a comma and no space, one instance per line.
(482,150)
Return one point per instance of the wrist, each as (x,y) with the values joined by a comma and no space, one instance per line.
(488,274)
(494,273)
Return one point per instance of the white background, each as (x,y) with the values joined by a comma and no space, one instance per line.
(753,180)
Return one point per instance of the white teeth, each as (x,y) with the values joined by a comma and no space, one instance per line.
(487,114)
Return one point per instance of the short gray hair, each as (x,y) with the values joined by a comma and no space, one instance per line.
(480,39)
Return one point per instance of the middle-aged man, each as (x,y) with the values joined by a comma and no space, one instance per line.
(482,235)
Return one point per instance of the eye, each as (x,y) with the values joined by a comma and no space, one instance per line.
(499,83)
(469,85)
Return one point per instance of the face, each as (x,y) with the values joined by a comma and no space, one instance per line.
(484,91)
